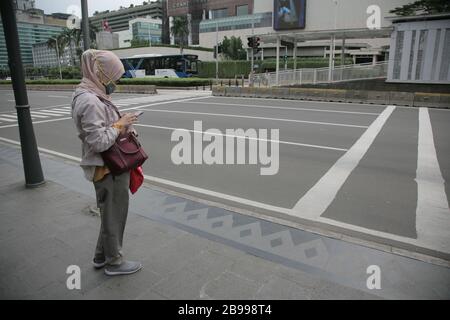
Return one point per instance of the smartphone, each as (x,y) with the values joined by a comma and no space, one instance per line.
(139,113)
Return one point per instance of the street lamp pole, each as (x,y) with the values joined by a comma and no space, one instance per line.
(58,57)
(217,50)
(252,49)
(30,155)
(85,25)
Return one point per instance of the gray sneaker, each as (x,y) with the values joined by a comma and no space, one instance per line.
(126,267)
(98,264)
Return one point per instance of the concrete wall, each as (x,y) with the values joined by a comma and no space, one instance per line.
(107,40)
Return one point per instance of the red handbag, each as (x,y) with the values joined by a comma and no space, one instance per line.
(136,179)
(126,154)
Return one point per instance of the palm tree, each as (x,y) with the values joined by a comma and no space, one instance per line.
(180,30)
(65,39)
(51,44)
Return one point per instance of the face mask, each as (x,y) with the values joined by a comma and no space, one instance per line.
(110,88)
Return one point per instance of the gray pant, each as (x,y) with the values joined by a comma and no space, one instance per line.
(112,199)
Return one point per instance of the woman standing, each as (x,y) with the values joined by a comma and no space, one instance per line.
(99,124)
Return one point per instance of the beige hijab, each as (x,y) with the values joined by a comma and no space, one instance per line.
(100,67)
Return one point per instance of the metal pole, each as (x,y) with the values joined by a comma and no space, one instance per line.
(278,62)
(285,58)
(330,61)
(30,155)
(252,49)
(85,25)
(294,55)
(58,57)
(342,58)
(217,50)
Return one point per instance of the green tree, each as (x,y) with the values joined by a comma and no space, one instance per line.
(233,48)
(180,30)
(69,36)
(423,7)
(51,44)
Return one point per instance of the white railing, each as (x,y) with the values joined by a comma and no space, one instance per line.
(321,75)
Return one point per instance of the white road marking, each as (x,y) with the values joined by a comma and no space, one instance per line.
(284,108)
(67,118)
(49,113)
(58,111)
(306,101)
(9,116)
(235,136)
(7,119)
(432,213)
(314,203)
(59,97)
(163,102)
(37,122)
(48,107)
(259,118)
(34,115)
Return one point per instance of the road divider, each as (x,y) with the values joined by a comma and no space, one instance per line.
(410,99)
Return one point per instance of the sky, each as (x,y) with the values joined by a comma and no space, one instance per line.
(51,6)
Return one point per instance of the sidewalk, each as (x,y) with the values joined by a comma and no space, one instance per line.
(189,250)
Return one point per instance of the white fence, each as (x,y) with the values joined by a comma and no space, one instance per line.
(321,75)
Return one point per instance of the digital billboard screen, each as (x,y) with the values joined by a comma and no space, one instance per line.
(289,14)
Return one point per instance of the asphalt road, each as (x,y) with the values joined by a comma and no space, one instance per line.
(374,172)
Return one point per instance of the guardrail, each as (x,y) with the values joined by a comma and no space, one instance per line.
(362,71)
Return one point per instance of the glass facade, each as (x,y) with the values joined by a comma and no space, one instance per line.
(147,30)
(29,34)
(260,20)
(242,10)
(219,13)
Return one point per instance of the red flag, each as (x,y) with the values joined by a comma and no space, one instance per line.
(106,26)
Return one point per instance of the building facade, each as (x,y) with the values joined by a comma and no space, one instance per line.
(242,18)
(200,10)
(33,27)
(43,56)
(107,40)
(420,49)
(118,20)
(146,29)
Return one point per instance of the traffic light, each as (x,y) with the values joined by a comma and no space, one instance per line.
(257,44)
(251,42)
(220,49)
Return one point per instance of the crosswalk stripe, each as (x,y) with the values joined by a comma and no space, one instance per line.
(57,111)
(9,116)
(51,114)
(7,120)
(323,193)
(34,115)
(43,113)
(432,213)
